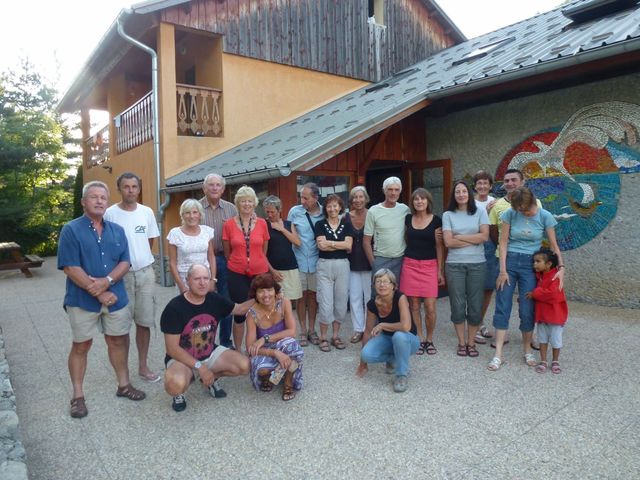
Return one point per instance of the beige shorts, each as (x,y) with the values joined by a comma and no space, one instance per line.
(308,282)
(140,287)
(209,362)
(86,325)
(291,286)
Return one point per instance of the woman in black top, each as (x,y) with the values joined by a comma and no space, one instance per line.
(423,264)
(282,261)
(334,238)
(360,276)
(390,335)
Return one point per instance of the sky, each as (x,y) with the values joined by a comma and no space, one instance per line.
(58,36)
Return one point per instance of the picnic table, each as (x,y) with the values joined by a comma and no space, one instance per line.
(11,258)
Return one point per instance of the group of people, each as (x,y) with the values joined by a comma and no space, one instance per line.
(239,276)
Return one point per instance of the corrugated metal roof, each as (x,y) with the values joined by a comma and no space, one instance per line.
(545,42)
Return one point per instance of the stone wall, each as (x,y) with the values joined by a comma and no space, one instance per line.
(12,454)
(606,269)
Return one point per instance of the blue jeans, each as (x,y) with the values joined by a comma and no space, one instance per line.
(396,348)
(223,289)
(520,271)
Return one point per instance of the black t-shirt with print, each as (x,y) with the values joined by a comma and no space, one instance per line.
(196,324)
(344,230)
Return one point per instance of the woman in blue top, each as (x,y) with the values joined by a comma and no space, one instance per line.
(523,228)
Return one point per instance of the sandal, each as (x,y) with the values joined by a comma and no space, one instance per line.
(542,367)
(151,377)
(356,337)
(421,349)
(495,364)
(263,376)
(479,338)
(462,350)
(288,393)
(324,346)
(313,338)
(555,367)
(472,351)
(338,343)
(493,344)
(131,393)
(530,359)
(78,408)
(302,340)
(430,348)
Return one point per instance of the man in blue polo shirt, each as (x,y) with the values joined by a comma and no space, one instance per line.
(94,255)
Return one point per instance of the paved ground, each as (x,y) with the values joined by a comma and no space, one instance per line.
(456,421)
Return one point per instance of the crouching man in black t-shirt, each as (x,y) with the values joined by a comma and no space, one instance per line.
(189,323)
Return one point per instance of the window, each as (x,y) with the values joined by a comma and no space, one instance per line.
(376,12)
(484,50)
(327,185)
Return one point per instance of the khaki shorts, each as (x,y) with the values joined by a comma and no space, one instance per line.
(209,362)
(308,282)
(291,286)
(140,287)
(86,325)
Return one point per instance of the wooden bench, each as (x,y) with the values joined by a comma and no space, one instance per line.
(11,258)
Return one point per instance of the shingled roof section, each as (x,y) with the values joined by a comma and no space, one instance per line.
(546,42)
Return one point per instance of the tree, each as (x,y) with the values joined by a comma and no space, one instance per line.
(36,188)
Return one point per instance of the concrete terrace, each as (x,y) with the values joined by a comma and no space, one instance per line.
(456,421)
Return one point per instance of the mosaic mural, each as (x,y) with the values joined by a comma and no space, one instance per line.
(575,170)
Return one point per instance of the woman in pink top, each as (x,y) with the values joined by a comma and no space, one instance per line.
(245,239)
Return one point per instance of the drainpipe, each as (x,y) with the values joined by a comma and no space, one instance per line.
(156,134)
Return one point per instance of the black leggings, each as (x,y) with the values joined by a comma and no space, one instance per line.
(238,290)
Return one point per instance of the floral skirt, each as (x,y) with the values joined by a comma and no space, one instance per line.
(288,346)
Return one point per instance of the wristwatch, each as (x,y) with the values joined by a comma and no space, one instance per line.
(110,280)
(197,365)
(267,337)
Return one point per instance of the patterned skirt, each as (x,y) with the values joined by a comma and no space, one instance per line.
(288,346)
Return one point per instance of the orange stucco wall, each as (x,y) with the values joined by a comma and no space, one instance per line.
(258,96)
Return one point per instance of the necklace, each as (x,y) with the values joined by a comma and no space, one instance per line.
(247,240)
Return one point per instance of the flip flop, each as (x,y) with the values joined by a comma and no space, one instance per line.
(151,377)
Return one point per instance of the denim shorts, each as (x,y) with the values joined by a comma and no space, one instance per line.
(521,274)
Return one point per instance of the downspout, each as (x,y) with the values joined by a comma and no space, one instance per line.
(156,135)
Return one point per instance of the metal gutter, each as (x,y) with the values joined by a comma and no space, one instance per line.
(156,129)
(247,177)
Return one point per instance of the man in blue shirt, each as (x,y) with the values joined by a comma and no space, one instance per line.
(304,217)
(94,255)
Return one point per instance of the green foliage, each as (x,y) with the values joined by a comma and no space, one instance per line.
(77,193)
(36,196)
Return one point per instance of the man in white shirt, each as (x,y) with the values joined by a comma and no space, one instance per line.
(140,228)
(385,226)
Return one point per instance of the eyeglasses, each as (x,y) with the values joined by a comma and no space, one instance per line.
(382,282)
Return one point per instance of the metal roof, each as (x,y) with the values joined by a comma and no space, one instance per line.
(543,43)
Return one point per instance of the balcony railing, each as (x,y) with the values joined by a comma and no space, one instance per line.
(97,148)
(134,126)
(198,111)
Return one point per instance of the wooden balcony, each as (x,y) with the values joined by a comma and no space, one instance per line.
(96,148)
(198,111)
(198,115)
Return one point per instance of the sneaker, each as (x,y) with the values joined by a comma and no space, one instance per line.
(216,390)
(179,403)
(389,368)
(400,385)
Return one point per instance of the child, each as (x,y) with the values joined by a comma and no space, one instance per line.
(551,308)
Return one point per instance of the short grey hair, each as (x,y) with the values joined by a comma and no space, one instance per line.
(391,181)
(193,267)
(188,204)
(385,272)
(272,201)
(313,188)
(357,189)
(214,175)
(94,184)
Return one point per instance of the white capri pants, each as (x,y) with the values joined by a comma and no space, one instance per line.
(332,276)
(359,295)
